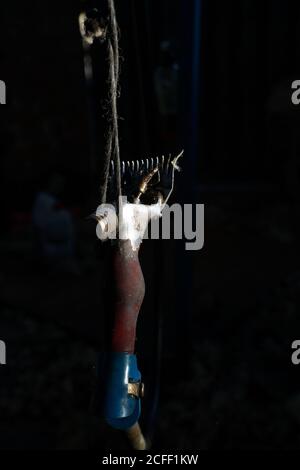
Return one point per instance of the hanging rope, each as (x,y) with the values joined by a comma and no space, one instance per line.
(112,146)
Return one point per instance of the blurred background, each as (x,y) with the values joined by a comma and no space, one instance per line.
(216,327)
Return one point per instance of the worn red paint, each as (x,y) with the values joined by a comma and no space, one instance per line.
(129,294)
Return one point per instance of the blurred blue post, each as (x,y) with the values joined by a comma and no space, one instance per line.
(191,92)
(190,112)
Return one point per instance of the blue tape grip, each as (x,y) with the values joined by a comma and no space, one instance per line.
(121,410)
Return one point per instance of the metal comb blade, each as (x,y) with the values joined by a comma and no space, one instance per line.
(134,173)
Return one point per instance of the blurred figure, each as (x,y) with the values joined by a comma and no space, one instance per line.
(53,228)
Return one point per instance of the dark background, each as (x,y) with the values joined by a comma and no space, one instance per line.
(230,311)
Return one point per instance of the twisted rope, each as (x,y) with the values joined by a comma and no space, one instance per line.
(112,145)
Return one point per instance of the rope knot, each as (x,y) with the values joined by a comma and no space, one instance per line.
(92,26)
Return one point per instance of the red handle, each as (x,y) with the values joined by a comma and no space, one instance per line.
(129,294)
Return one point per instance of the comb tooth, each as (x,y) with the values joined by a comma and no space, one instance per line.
(162,161)
(152,163)
(123,168)
(137,166)
(147,164)
(112,168)
(132,165)
(157,162)
(128,166)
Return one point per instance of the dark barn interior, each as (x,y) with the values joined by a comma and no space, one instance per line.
(217,325)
